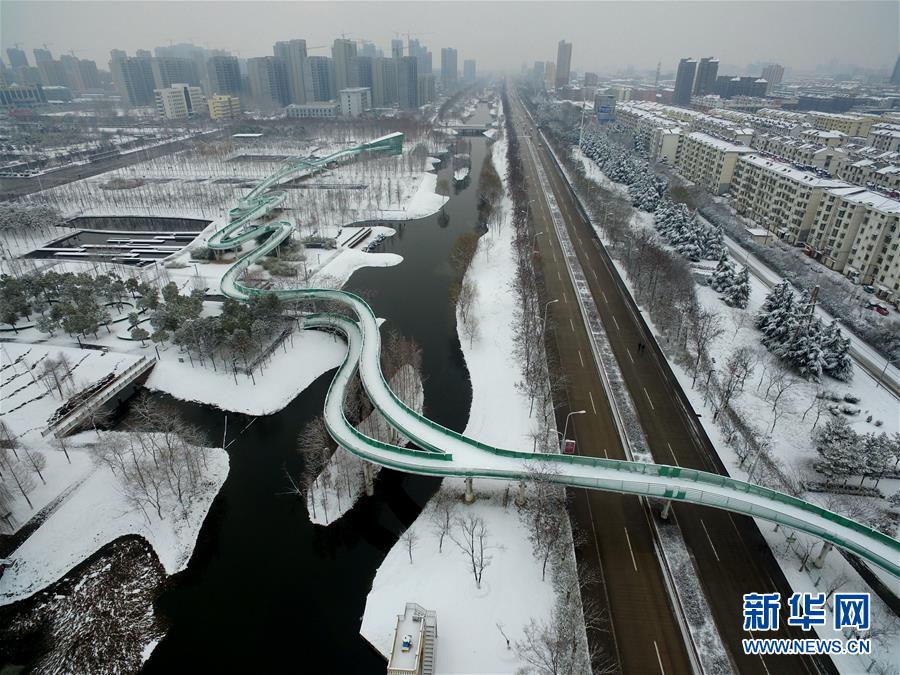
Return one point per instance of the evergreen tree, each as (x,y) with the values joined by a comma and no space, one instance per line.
(836,353)
(805,352)
(837,444)
(780,325)
(781,294)
(738,293)
(877,455)
(723,276)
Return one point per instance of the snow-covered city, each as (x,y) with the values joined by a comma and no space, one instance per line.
(554,351)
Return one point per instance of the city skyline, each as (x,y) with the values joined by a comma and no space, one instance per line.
(766,30)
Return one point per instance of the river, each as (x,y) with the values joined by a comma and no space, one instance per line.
(265,589)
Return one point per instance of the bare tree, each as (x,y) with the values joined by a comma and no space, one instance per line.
(781,382)
(544,512)
(471,536)
(707,327)
(737,370)
(443,515)
(410,539)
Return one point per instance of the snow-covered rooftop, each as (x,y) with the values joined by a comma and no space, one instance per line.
(718,143)
(875,200)
(793,173)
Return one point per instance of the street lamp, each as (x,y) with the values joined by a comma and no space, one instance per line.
(566,426)
(544,322)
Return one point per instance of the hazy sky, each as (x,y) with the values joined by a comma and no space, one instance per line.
(500,35)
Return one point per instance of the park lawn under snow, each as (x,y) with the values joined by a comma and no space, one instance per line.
(512,592)
(94,514)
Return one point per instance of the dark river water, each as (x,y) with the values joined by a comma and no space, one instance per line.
(267,591)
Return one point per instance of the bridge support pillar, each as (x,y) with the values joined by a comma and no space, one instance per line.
(520,494)
(470,493)
(664,514)
(369,476)
(820,560)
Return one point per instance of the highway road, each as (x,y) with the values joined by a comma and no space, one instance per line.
(730,554)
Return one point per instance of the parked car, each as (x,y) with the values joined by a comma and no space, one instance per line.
(868,288)
(881,309)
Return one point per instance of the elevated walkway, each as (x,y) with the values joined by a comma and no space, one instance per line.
(443,452)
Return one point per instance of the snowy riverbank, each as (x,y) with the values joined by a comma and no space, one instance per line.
(474,623)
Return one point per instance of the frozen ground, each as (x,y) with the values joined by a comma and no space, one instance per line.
(94,514)
(511,593)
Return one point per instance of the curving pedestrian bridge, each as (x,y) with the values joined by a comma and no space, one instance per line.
(444,452)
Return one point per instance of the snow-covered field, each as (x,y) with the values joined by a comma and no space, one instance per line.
(470,619)
(27,401)
(95,513)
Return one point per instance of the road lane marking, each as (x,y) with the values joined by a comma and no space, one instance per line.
(593,407)
(580,359)
(604,297)
(673,454)
(627,351)
(557,275)
(594,272)
(615,322)
(709,539)
(572,324)
(630,550)
(648,398)
(659,658)
(565,298)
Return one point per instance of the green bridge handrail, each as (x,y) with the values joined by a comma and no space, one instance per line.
(432,459)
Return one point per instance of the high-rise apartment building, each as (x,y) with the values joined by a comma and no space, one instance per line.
(563,63)
(42,55)
(133,77)
(17,58)
(707,71)
(684,82)
(363,67)
(169,70)
(469,74)
(538,72)
(321,76)
(293,54)
(773,74)
(449,68)
(396,49)
(384,82)
(344,54)
(223,74)
(408,82)
(423,56)
(550,74)
(427,91)
(268,81)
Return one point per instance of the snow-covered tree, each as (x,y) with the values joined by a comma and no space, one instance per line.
(836,353)
(838,446)
(738,293)
(804,352)
(723,276)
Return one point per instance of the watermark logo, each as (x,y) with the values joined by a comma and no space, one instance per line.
(762,613)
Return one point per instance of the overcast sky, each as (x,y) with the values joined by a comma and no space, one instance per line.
(500,35)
